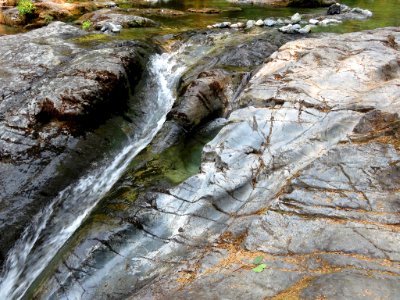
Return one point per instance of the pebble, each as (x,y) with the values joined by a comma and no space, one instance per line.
(238,25)
(111,27)
(250,23)
(313,21)
(306,29)
(296,18)
(361,11)
(329,22)
(259,23)
(290,28)
(269,22)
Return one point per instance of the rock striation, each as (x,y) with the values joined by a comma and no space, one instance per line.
(303,176)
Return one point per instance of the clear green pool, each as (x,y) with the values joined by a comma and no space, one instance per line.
(385,14)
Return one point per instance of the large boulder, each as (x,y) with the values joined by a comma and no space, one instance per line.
(101,17)
(51,92)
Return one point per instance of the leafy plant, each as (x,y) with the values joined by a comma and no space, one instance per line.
(260,266)
(26,7)
(86,25)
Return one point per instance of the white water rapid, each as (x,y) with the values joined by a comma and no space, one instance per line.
(55,224)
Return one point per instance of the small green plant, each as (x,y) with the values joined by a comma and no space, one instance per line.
(86,25)
(260,267)
(26,7)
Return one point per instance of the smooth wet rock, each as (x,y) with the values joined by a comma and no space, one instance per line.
(52,91)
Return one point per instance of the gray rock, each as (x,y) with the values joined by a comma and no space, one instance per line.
(250,24)
(296,18)
(363,12)
(290,28)
(259,23)
(306,29)
(304,173)
(270,22)
(110,28)
(327,22)
(52,91)
(280,22)
(101,17)
(313,21)
(334,9)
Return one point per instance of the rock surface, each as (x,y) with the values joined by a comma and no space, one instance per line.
(101,17)
(51,92)
(304,174)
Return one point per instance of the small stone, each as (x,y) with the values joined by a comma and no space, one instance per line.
(210,26)
(269,22)
(110,27)
(287,21)
(290,28)
(329,22)
(280,22)
(296,18)
(259,23)
(250,23)
(296,26)
(334,9)
(306,29)
(241,25)
(313,21)
(365,12)
(226,24)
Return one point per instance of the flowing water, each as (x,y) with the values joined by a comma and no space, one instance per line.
(53,226)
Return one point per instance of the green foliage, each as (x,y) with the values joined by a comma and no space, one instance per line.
(259,268)
(26,7)
(86,25)
(258,260)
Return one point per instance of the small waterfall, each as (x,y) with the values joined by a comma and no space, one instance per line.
(55,224)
